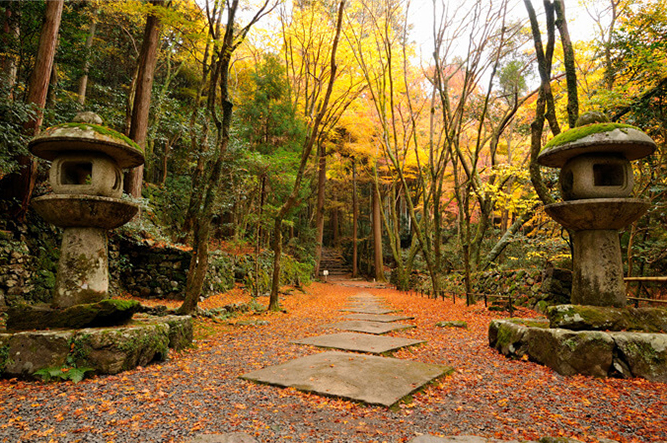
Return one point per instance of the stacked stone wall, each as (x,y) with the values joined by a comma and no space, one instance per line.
(29,256)
(533,288)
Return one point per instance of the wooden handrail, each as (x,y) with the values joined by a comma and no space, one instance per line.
(649,279)
(652,300)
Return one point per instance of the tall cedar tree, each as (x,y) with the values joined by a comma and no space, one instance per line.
(142,96)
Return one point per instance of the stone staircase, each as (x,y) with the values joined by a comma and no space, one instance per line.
(334,262)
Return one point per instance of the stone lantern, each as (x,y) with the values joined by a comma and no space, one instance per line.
(87,182)
(596,182)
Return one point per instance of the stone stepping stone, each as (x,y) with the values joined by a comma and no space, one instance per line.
(369,310)
(476,439)
(384,318)
(352,341)
(232,437)
(364,296)
(366,306)
(369,327)
(366,378)
(455,439)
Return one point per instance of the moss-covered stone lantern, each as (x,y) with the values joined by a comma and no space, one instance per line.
(87,182)
(596,182)
(84,330)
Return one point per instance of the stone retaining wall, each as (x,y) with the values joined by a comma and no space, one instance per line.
(28,260)
(29,257)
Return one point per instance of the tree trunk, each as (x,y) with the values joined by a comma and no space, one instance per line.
(20,185)
(202,222)
(199,144)
(11,35)
(258,234)
(608,72)
(542,104)
(544,60)
(41,74)
(570,68)
(142,97)
(319,211)
(355,222)
(83,81)
(53,85)
(277,246)
(377,237)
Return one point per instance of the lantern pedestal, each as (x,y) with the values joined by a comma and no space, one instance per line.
(597,266)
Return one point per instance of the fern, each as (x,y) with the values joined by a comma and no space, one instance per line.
(62,373)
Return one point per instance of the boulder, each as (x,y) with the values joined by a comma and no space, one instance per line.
(180,331)
(571,352)
(26,352)
(599,318)
(507,337)
(112,350)
(107,312)
(566,352)
(452,324)
(644,355)
(107,350)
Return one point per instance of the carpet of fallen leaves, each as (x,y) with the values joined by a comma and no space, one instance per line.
(198,390)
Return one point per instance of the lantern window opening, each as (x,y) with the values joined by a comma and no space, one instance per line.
(608,174)
(76,173)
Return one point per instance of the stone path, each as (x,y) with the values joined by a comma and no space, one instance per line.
(383,318)
(368,327)
(353,341)
(370,379)
(357,376)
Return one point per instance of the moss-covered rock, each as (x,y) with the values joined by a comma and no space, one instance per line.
(452,324)
(180,331)
(595,353)
(645,355)
(530,322)
(570,352)
(507,337)
(104,313)
(112,350)
(106,350)
(599,318)
(566,352)
(27,352)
